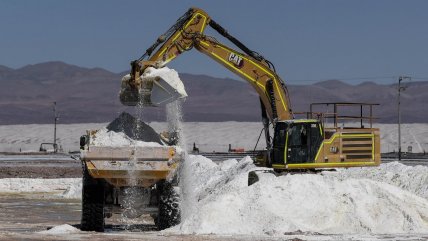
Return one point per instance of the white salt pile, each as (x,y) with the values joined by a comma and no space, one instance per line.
(61,229)
(413,179)
(222,203)
(201,178)
(103,137)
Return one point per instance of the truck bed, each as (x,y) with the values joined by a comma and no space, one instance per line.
(144,165)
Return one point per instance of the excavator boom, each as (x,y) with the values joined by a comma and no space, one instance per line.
(188,33)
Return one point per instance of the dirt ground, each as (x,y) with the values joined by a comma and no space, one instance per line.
(40,172)
(23,216)
(39,166)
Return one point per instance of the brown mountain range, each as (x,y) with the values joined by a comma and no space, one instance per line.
(91,95)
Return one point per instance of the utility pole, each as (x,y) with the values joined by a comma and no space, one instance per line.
(400,88)
(56,118)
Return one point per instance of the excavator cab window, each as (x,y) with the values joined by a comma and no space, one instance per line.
(304,139)
(297,150)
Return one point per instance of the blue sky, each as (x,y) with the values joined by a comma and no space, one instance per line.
(306,40)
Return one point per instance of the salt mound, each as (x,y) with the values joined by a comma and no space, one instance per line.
(133,128)
(104,137)
(413,179)
(222,203)
(61,229)
(201,178)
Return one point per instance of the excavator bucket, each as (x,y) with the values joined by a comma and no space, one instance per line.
(154,91)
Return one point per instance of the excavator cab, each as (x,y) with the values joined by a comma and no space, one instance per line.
(339,138)
(296,141)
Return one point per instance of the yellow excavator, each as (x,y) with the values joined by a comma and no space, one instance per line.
(296,143)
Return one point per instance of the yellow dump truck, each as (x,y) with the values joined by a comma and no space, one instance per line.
(110,173)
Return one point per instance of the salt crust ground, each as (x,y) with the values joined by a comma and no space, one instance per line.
(389,199)
(68,188)
(208,136)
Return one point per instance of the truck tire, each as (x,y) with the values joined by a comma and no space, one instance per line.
(92,203)
(169,206)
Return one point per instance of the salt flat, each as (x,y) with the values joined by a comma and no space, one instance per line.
(208,136)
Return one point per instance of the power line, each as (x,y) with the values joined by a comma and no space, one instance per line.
(346,78)
(392,78)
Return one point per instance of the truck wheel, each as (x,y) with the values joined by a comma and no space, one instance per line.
(169,206)
(92,203)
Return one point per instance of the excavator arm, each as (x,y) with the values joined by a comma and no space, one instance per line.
(188,33)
